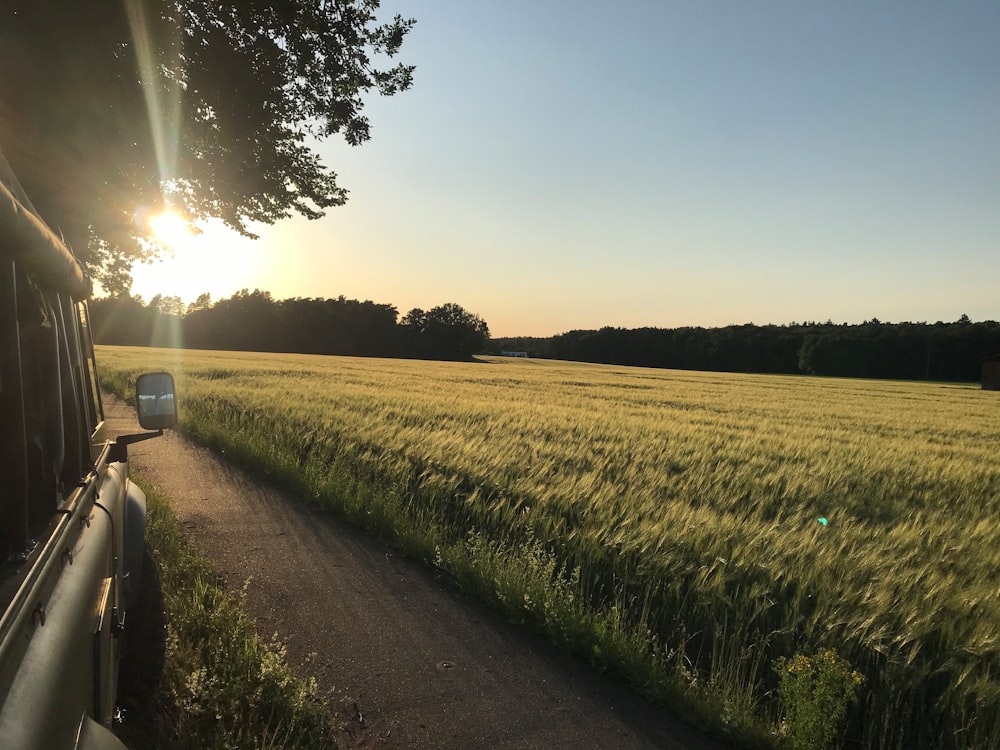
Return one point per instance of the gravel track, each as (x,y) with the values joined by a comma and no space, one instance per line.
(408,662)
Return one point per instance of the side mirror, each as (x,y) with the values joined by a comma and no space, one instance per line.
(155,400)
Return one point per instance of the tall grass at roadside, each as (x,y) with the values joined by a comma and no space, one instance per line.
(224,688)
(674,514)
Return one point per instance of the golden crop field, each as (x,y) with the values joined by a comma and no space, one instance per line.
(727,520)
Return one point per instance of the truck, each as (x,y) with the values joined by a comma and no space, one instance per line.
(80,605)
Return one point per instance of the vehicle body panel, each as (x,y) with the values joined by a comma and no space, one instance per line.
(72,527)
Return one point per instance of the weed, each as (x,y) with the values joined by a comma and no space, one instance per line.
(816,692)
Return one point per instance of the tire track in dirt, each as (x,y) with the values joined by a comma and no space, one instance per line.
(410,663)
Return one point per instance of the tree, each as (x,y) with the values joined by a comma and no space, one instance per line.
(121,320)
(204,302)
(446,332)
(415,320)
(109,111)
(172,305)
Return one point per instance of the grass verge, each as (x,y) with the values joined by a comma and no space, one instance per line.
(223,687)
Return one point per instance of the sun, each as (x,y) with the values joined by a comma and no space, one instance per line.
(208,258)
(170,230)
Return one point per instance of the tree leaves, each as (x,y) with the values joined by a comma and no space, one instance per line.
(109,111)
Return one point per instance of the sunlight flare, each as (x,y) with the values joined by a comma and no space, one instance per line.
(210,258)
(170,230)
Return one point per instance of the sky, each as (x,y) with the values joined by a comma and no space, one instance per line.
(567,165)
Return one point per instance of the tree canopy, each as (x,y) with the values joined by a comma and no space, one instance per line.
(111,111)
(255,321)
(448,331)
(873,349)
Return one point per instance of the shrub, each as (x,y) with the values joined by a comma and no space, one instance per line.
(816,692)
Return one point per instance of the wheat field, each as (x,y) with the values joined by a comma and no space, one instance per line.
(727,520)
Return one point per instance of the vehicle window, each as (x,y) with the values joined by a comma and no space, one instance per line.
(13,490)
(95,407)
(41,398)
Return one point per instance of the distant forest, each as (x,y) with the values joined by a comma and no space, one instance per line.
(255,322)
(873,349)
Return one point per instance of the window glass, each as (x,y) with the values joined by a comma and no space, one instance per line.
(93,392)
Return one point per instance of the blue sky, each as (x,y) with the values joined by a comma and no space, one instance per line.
(565,165)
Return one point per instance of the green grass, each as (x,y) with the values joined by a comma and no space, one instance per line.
(224,687)
(663,524)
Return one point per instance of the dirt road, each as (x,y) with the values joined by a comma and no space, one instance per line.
(413,664)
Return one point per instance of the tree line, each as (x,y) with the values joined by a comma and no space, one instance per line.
(873,349)
(255,321)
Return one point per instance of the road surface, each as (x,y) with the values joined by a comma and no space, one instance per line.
(410,663)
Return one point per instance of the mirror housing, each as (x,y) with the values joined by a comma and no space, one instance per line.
(156,401)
